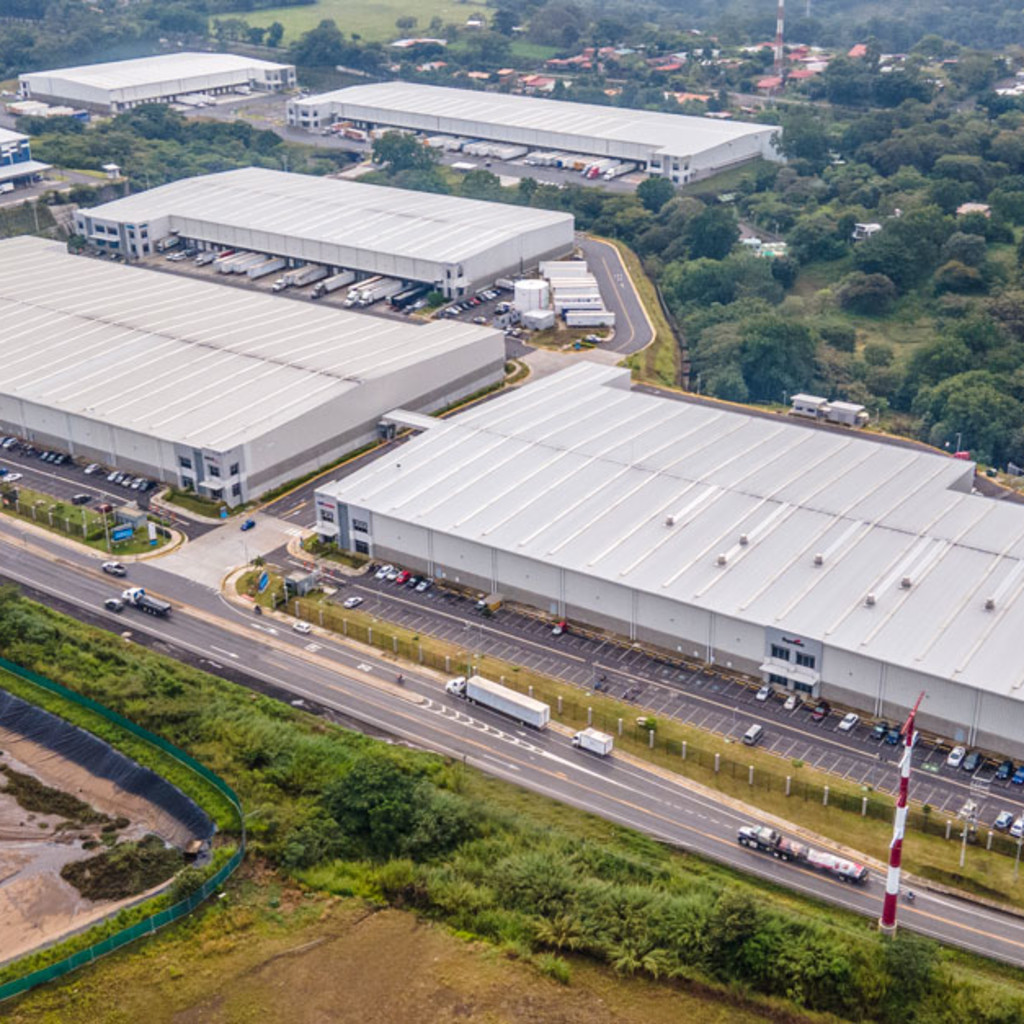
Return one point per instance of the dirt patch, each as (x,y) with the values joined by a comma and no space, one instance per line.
(38,906)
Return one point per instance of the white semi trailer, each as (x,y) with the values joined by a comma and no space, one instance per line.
(489,694)
(266,267)
(332,284)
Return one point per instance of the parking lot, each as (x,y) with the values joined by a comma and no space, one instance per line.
(718,704)
(66,481)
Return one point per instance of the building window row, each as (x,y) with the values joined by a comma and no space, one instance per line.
(360,526)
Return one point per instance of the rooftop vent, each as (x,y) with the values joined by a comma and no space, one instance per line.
(819,559)
(906,583)
(870,600)
(670,520)
(990,604)
(744,539)
(723,558)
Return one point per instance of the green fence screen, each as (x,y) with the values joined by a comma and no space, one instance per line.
(164,917)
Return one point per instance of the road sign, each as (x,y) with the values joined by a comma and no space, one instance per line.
(123,533)
(264,582)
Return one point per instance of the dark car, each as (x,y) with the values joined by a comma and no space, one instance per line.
(893,736)
(880,730)
(821,712)
(972,762)
(1018,776)
(413,582)
(104,507)
(114,604)
(81,499)
(1005,770)
(247,525)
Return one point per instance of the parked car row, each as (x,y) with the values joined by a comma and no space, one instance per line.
(402,577)
(464,305)
(56,458)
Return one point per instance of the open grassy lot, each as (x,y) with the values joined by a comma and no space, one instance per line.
(374,20)
(246,958)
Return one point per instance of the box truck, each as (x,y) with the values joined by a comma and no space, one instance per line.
(523,709)
(595,742)
(266,267)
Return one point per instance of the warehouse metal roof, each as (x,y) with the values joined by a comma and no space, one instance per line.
(166,67)
(417,225)
(185,360)
(730,512)
(22,168)
(675,133)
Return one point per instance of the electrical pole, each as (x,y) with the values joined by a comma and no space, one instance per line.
(887,922)
(780,23)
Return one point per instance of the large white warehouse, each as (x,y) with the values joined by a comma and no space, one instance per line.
(123,84)
(824,562)
(226,391)
(455,245)
(671,145)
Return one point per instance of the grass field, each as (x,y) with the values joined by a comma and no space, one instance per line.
(248,957)
(374,20)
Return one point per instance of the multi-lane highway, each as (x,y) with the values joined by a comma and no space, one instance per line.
(324,673)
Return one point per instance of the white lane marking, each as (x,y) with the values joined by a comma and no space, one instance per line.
(220,650)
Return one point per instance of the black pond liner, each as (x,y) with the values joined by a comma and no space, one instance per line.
(102,760)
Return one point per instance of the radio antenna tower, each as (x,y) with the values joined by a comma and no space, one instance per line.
(780,23)
(887,922)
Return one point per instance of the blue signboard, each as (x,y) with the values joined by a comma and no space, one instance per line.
(123,533)
(264,582)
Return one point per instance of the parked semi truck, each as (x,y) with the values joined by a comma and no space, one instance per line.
(138,598)
(227,264)
(168,243)
(247,262)
(332,284)
(489,694)
(595,742)
(355,293)
(300,277)
(266,267)
(408,296)
(769,840)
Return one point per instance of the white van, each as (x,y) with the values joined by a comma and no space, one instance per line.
(753,735)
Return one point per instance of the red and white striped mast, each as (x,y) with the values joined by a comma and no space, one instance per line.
(887,922)
(780,22)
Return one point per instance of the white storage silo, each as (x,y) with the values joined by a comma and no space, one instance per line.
(531,294)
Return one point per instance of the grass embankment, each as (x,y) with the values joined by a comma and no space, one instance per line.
(534,878)
(125,870)
(661,361)
(844,818)
(74,521)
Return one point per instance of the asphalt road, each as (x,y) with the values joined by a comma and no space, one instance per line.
(322,673)
(632,328)
(716,704)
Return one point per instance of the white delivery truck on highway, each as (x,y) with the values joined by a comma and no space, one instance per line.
(595,742)
(478,690)
(332,284)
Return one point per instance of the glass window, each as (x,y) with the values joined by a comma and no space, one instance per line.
(807,660)
(234,469)
(362,548)
(803,687)
(360,526)
(236,489)
(213,470)
(188,483)
(217,494)
(327,515)
(782,653)
(778,680)
(184,461)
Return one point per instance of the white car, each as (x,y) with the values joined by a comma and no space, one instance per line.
(91,468)
(849,722)
(302,627)
(956,756)
(392,574)
(765,693)
(11,478)
(352,602)
(382,572)
(1017,828)
(791,702)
